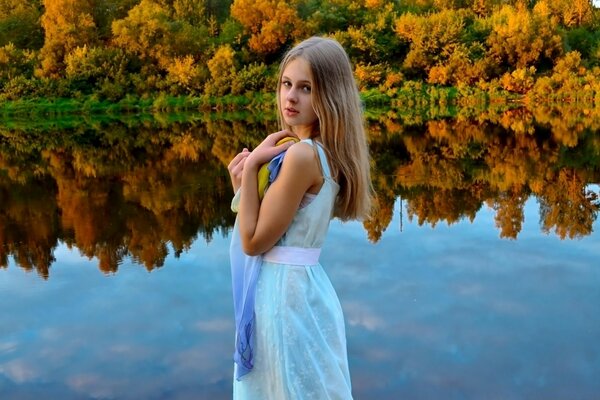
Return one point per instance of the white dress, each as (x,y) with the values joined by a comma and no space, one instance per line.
(300,334)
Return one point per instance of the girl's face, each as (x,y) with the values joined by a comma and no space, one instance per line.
(296,99)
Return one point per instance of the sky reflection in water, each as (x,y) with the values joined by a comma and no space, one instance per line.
(451,312)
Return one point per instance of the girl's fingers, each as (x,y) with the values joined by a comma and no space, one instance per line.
(239,168)
(238,158)
(277,136)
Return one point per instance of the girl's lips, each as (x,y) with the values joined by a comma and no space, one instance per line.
(291,111)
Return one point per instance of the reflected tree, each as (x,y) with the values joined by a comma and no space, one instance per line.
(139,191)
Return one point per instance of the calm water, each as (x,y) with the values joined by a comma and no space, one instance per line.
(477,278)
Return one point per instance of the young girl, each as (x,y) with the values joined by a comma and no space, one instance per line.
(290,341)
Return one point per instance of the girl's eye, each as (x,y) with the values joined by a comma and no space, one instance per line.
(306,89)
(286,83)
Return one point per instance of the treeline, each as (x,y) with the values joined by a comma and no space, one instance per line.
(112,50)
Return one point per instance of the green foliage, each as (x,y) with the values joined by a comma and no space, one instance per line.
(107,11)
(15,62)
(251,78)
(17,88)
(584,41)
(19,24)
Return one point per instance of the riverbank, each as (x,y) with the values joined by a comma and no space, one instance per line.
(411,95)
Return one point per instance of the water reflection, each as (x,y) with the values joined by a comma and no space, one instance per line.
(133,188)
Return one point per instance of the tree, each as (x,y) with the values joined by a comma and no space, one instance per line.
(19,23)
(509,212)
(67,24)
(571,13)
(567,206)
(521,38)
(15,62)
(222,71)
(270,23)
(433,38)
(156,32)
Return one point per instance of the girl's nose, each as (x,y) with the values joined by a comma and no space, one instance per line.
(291,95)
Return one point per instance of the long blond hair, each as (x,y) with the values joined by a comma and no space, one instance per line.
(337,104)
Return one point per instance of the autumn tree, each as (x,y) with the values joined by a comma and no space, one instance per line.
(521,38)
(158,33)
(567,206)
(67,24)
(270,23)
(222,71)
(433,38)
(29,223)
(509,212)
(570,13)
(450,4)
(380,217)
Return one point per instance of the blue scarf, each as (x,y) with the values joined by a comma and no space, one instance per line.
(244,275)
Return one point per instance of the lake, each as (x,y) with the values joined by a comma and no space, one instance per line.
(476,277)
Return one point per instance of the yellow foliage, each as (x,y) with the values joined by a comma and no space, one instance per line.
(521,37)
(433,38)
(6,53)
(439,74)
(183,71)
(143,30)
(368,75)
(570,13)
(271,23)
(222,70)
(393,79)
(373,3)
(67,24)
(360,38)
(520,80)
(187,147)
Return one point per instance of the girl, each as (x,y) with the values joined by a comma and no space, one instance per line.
(290,341)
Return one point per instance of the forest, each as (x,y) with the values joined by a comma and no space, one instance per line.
(202,51)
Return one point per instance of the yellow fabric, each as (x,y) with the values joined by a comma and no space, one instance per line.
(263,172)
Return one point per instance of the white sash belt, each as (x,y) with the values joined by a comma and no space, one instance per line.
(292,255)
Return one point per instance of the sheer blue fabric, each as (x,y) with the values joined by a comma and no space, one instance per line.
(244,273)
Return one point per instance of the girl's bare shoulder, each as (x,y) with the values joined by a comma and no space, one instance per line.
(300,154)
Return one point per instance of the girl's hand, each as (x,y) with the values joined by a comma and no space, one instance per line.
(268,148)
(236,169)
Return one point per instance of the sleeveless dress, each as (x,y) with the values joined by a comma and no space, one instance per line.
(300,334)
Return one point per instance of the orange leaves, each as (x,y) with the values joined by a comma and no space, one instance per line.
(368,75)
(521,80)
(271,23)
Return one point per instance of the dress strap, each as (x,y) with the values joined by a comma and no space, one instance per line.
(322,157)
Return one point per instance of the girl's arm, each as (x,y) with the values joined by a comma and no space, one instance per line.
(263,224)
